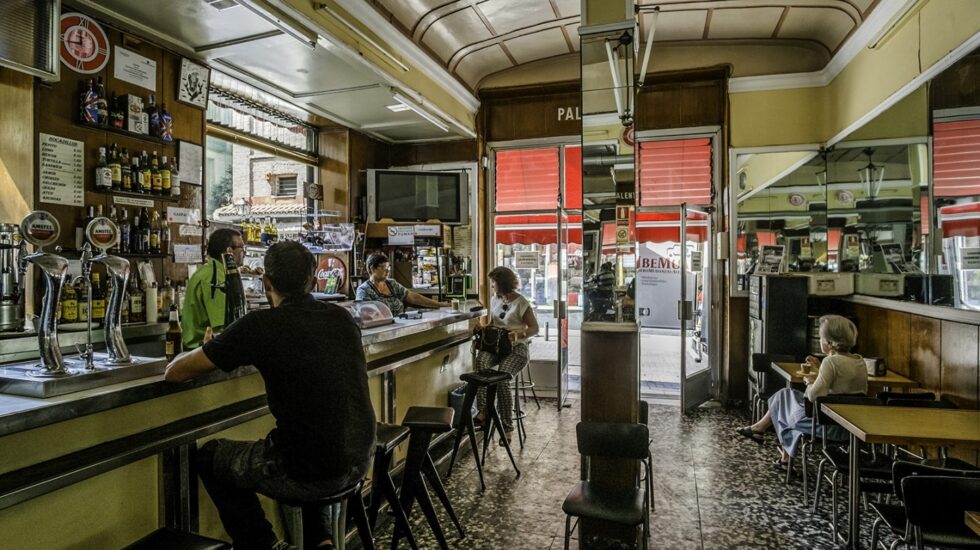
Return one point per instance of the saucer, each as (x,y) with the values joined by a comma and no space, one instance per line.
(801,374)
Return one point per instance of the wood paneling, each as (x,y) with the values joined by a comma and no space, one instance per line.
(960,363)
(16,145)
(684,105)
(433,153)
(364,153)
(950,90)
(335,171)
(925,349)
(898,326)
(534,116)
(735,374)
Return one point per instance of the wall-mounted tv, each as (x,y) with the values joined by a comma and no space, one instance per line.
(408,196)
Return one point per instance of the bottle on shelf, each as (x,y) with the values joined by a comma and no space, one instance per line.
(126,169)
(98,300)
(83,305)
(88,109)
(69,304)
(115,168)
(164,236)
(156,179)
(144,232)
(166,124)
(124,228)
(165,299)
(124,310)
(274,231)
(174,342)
(136,309)
(117,112)
(235,305)
(154,116)
(101,104)
(165,177)
(146,176)
(103,174)
(155,233)
(174,179)
(151,304)
(264,232)
(135,174)
(80,238)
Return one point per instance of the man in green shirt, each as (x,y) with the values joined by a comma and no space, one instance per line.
(204,303)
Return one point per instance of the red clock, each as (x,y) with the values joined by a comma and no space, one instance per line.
(84,45)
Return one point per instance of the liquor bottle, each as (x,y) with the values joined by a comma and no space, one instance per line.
(101,104)
(235,306)
(145,232)
(117,112)
(164,236)
(114,216)
(69,304)
(156,180)
(103,174)
(83,309)
(136,310)
(166,124)
(174,179)
(264,232)
(165,177)
(155,233)
(88,109)
(126,168)
(124,311)
(80,238)
(274,231)
(115,168)
(98,300)
(166,299)
(146,176)
(124,228)
(153,116)
(174,343)
(135,175)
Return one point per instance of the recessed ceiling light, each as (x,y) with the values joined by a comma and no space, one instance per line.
(398,107)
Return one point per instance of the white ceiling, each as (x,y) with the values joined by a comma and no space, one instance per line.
(473,39)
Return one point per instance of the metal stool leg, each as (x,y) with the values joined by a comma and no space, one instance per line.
(430,473)
(530,384)
(519,414)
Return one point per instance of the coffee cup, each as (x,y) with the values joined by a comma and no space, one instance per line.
(457,306)
(805,368)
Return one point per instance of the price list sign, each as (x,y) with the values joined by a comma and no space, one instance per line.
(62,170)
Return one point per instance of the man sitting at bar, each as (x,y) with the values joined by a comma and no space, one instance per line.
(204,304)
(310,356)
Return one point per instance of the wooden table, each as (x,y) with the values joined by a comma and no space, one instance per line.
(973,521)
(891,380)
(898,426)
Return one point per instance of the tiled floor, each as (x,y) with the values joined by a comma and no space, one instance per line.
(712,490)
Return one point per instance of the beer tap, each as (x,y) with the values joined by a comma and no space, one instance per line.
(41,229)
(103,233)
(86,260)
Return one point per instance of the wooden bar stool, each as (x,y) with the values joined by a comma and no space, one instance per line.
(389,436)
(339,503)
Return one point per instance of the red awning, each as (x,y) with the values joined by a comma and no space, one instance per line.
(535,229)
(675,171)
(956,158)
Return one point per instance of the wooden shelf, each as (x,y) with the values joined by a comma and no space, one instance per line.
(150,196)
(77,252)
(142,137)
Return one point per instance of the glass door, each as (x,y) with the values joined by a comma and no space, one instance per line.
(693,305)
(561,305)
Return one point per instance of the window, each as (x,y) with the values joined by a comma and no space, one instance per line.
(286,186)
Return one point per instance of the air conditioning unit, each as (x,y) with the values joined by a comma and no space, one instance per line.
(29,35)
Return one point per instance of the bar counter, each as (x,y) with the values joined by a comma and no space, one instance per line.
(104,467)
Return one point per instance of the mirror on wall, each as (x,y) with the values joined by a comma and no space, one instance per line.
(608,171)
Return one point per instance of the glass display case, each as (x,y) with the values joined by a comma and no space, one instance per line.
(369,314)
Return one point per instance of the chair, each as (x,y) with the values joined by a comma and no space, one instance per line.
(885,396)
(893,516)
(389,436)
(625,506)
(761,389)
(348,499)
(644,418)
(935,506)
(172,539)
(519,413)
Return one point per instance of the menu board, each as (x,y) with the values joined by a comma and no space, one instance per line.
(62,170)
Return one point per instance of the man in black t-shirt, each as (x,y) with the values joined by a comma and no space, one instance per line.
(311,359)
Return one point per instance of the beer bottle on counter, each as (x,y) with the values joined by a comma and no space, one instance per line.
(235,305)
(69,304)
(123,223)
(101,104)
(126,167)
(174,343)
(115,169)
(165,179)
(147,175)
(98,300)
(156,179)
(136,309)
(103,173)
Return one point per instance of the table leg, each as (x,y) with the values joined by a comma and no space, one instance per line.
(854,494)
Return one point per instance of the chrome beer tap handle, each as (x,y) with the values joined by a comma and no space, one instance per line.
(86,260)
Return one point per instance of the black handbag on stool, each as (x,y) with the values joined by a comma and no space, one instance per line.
(492,339)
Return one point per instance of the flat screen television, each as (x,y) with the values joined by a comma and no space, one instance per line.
(408,196)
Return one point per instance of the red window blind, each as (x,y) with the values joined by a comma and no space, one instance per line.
(527,179)
(674,172)
(956,158)
(573,177)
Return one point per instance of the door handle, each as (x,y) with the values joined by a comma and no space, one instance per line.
(685,310)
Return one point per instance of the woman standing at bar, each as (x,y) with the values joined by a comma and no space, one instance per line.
(509,310)
(380,288)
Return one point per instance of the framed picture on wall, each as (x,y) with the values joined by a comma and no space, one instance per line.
(192,87)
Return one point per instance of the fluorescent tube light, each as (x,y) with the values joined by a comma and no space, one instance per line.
(420,111)
(649,45)
(613,56)
(279,20)
(397,107)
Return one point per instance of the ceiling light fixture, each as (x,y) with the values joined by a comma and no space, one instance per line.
(398,108)
(280,21)
(397,96)
(649,45)
(613,56)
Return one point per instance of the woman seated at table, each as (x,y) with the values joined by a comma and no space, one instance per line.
(841,372)
(380,288)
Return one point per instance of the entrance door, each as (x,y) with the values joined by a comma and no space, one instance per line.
(692,306)
(561,306)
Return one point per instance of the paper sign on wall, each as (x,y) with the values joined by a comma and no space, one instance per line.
(190,216)
(401,235)
(190,230)
(970,258)
(62,169)
(191,159)
(129,201)
(695,261)
(527,259)
(187,254)
(134,68)
(428,230)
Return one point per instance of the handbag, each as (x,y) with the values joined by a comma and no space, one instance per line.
(492,339)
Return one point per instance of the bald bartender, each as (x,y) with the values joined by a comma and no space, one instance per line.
(204,303)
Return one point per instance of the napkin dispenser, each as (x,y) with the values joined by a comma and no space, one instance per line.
(875,365)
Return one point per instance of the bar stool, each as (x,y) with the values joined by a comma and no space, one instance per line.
(389,436)
(488,379)
(292,515)
(423,422)
(172,539)
(528,384)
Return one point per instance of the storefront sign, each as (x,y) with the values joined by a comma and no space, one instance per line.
(134,68)
(527,259)
(401,235)
(658,284)
(62,170)
(569,113)
(625,193)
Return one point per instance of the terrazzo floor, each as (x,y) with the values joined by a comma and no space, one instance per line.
(713,490)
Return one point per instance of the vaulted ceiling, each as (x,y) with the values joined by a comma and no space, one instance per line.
(473,39)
